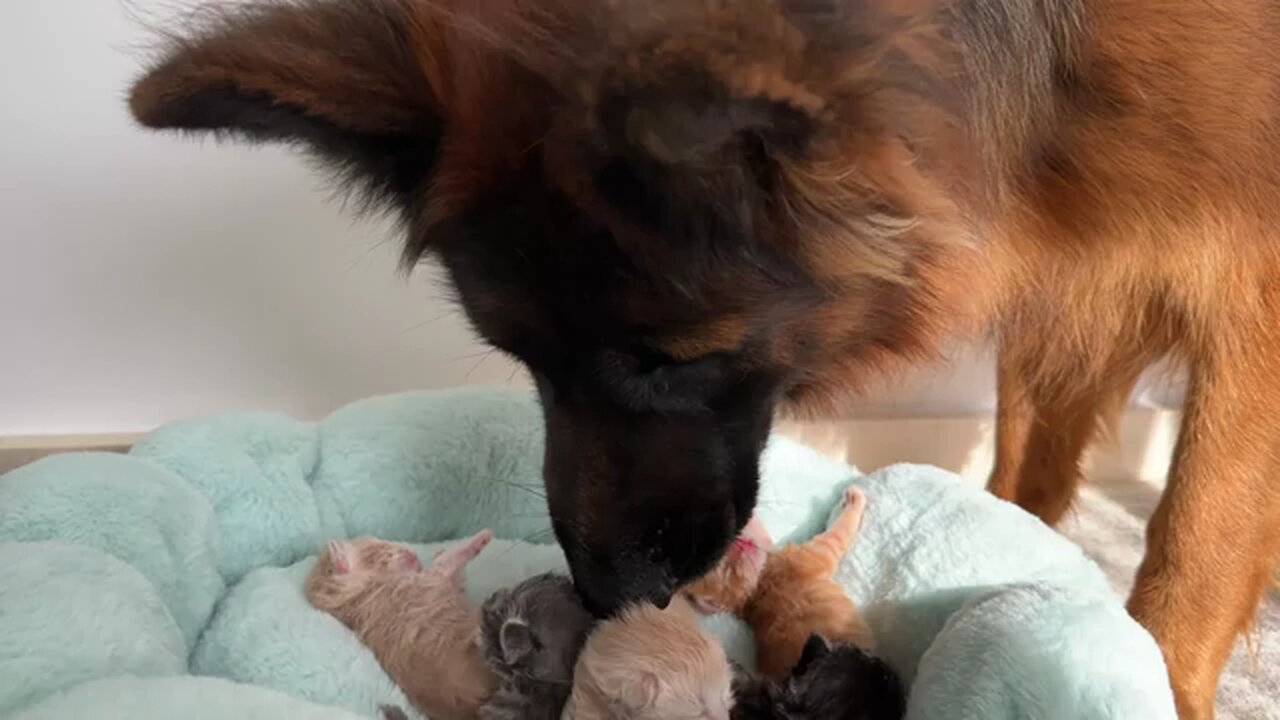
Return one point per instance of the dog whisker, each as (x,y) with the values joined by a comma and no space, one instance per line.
(478,364)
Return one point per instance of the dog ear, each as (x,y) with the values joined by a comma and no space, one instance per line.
(689,120)
(688,158)
(355,82)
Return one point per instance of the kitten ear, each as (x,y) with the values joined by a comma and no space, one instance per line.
(342,555)
(516,639)
(642,693)
(706,605)
(682,607)
(814,648)
(497,601)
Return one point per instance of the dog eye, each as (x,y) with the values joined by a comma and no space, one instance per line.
(648,359)
(643,379)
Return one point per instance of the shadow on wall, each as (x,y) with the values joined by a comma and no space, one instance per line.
(944,416)
(1139,448)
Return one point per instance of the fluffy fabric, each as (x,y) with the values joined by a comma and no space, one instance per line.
(69,614)
(132,511)
(116,566)
(1036,651)
(930,545)
(189,698)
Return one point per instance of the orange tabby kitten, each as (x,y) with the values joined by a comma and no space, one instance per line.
(789,594)
(733,580)
(416,622)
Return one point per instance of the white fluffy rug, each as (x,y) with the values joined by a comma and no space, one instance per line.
(1109,523)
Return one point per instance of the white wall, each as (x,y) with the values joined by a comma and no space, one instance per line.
(145,278)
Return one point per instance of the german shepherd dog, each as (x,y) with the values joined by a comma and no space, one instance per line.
(683,216)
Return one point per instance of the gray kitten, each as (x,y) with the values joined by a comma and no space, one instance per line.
(531,636)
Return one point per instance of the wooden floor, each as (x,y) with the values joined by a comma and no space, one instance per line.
(18,451)
(961,444)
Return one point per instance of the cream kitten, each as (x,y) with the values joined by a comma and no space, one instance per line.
(651,664)
(416,622)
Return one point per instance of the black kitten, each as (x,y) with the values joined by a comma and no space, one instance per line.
(839,682)
(532,635)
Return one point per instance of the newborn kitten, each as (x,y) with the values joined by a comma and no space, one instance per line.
(733,581)
(838,682)
(532,635)
(789,594)
(416,622)
(651,664)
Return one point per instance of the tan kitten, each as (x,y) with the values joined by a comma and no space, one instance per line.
(416,622)
(789,594)
(651,664)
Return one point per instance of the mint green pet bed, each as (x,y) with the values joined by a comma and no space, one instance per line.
(166,583)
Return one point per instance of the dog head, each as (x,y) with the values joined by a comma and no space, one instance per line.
(677,215)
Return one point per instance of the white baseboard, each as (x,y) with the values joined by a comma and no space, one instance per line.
(1140,451)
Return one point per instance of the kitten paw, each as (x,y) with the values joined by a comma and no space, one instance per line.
(854,498)
(472,546)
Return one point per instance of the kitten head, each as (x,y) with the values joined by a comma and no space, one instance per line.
(534,631)
(755,697)
(733,580)
(347,567)
(841,682)
(651,664)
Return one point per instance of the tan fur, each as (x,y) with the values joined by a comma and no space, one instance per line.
(651,664)
(1156,236)
(416,622)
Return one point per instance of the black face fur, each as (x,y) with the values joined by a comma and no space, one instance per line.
(651,462)
(599,289)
